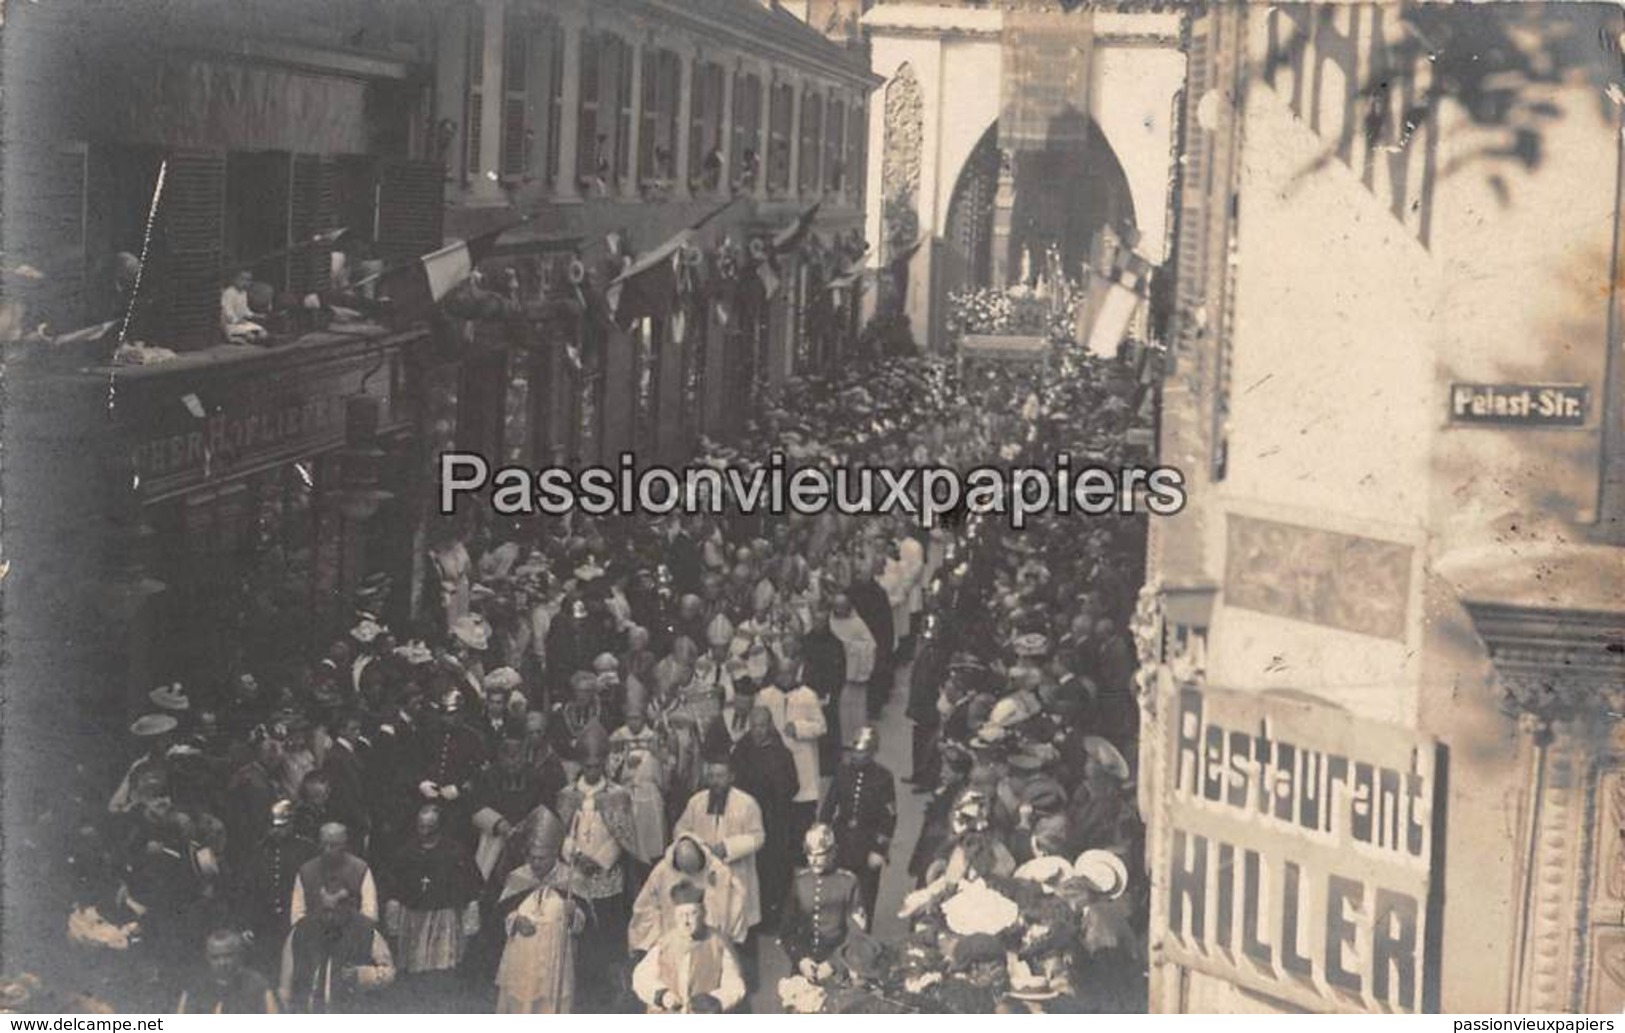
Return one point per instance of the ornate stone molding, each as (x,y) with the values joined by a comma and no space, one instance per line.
(1556,664)
(1549,938)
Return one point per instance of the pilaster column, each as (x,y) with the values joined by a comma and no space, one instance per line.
(725,149)
(685,117)
(451,86)
(764,141)
(634,132)
(485,186)
(565,187)
(835,99)
(798,89)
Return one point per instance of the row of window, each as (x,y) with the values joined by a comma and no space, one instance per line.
(832,128)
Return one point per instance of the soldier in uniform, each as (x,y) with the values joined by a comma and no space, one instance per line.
(267,884)
(862,808)
(823,908)
(453,755)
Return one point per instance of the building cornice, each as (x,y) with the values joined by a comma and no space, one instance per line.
(1555,664)
(768,34)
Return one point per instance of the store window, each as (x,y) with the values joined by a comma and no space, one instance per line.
(692,340)
(252,570)
(646,348)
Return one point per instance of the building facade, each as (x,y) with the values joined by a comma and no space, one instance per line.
(611,128)
(186,519)
(1381,728)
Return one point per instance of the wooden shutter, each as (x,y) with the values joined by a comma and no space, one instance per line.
(587,121)
(747,127)
(1196,158)
(192,214)
(857,174)
(312,210)
(515,102)
(45,222)
(834,144)
(555,98)
(411,209)
(812,133)
(475,107)
(625,160)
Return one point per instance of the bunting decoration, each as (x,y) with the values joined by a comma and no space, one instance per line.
(648,286)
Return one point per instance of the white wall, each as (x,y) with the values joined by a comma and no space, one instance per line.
(973,74)
(1131,96)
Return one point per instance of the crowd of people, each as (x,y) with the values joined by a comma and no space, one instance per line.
(621,759)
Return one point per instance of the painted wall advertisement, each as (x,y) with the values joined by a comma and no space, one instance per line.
(1299,846)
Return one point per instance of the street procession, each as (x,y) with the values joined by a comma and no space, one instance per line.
(824,507)
(613,752)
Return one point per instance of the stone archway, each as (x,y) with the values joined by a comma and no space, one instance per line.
(1061,195)
(968,232)
(1064,194)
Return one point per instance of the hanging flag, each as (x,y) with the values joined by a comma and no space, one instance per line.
(648,288)
(790,238)
(416,287)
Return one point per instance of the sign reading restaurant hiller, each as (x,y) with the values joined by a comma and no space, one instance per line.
(1299,850)
(1532,405)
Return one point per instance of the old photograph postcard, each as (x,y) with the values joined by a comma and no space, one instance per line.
(812,506)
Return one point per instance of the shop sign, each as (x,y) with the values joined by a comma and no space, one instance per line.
(208,433)
(1298,848)
(1527,405)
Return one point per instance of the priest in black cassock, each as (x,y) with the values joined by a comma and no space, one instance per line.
(432,910)
(764,769)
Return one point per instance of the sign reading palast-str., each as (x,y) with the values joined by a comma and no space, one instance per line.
(1299,850)
(1535,405)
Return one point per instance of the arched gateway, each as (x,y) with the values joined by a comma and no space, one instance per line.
(1036,130)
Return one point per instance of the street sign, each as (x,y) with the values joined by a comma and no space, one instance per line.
(1527,405)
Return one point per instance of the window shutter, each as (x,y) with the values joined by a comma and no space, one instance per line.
(515,103)
(193,219)
(45,219)
(1201,259)
(313,209)
(1193,181)
(625,160)
(476,93)
(857,128)
(834,142)
(555,98)
(587,123)
(747,119)
(411,209)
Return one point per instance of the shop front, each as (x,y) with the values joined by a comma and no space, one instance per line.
(256,492)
